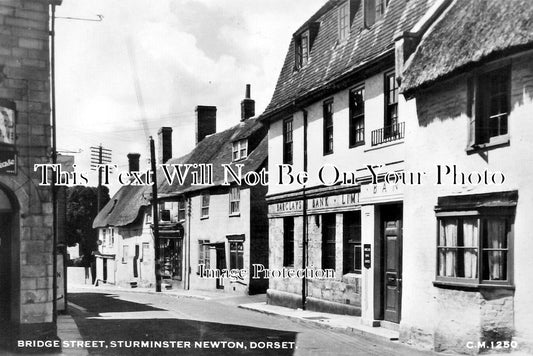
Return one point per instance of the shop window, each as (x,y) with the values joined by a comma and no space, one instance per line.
(475,246)
(489,106)
(357,116)
(288,242)
(205,205)
(236,255)
(352,242)
(328,241)
(203,254)
(287,141)
(328,126)
(234,200)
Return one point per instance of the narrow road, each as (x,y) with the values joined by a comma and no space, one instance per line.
(125,323)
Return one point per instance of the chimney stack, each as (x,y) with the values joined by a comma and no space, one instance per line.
(206,121)
(165,144)
(247,105)
(133,162)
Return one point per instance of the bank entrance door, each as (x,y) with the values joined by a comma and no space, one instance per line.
(392,262)
(5,266)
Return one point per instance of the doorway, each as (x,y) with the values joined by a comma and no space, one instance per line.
(5,266)
(221,262)
(391,218)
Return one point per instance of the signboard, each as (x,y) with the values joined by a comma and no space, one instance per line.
(8,156)
(381,192)
(7,123)
(318,205)
(8,162)
(367,255)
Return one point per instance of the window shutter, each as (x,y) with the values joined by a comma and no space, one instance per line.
(370,12)
(471,111)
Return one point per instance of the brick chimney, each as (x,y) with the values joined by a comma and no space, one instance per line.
(247,105)
(133,162)
(206,121)
(164,152)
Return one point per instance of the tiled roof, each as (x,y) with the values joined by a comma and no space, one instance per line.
(216,150)
(330,61)
(470,32)
(125,206)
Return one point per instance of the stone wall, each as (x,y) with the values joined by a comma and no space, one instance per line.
(24,80)
(341,294)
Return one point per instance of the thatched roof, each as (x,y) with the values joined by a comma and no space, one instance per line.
(330,62)
(126,206)
(469,33)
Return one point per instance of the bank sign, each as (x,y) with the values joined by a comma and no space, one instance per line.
(318,205)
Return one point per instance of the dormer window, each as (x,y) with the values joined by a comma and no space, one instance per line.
(240,149)
(302,49)
(344,21)
(374,10)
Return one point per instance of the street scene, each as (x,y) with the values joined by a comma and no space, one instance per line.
(123,316)
(313,177)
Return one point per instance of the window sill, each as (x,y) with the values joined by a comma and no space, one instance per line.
(234,215)
(204,217)
(357,144)
(495,142)
(328,153)
(470,286)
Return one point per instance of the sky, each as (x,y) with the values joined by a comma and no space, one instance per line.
(183,53)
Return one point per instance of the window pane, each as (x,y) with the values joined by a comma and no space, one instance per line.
(448,256)
(470,239)
(494,265)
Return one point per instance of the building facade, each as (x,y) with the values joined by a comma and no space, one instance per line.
(467,249)
(335,115)
(224,218)
(207,217)
(27,303)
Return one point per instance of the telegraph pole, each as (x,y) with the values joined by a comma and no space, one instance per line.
(99,155)
(155,215)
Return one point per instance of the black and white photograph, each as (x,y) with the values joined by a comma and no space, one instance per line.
(266,177)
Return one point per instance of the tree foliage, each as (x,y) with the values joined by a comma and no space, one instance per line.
(81,210)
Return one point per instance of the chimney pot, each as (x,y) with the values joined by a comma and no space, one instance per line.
(247,105)
(165,144)
(133,162)
(206,121)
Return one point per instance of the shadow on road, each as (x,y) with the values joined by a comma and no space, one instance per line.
(120,331)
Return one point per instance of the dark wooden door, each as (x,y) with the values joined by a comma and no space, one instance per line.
(221,263)
(392,269)
(136,262)
(5,266)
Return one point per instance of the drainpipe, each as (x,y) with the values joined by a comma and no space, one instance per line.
(305,232)
(188,242)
